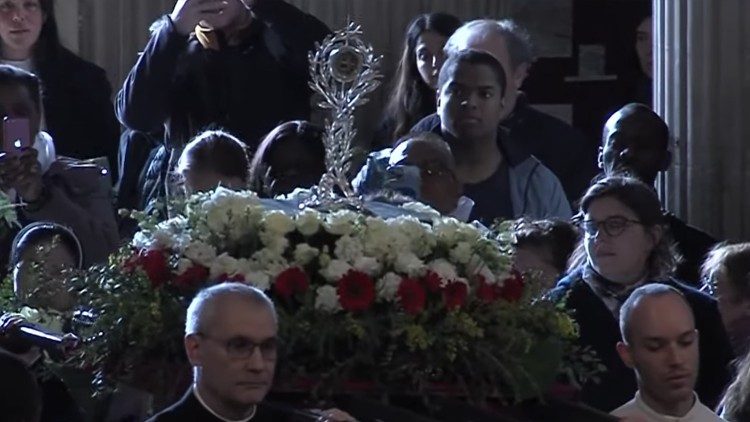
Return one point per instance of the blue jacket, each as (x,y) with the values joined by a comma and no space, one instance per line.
(600,330)
(535,191)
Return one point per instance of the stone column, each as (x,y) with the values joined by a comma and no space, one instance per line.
(702,89)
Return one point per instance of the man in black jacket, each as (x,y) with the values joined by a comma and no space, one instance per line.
(636,141)
(238,64)
(560,147)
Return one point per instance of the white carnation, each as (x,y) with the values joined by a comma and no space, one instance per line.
(335,270)
(184,265)
(200,252)
(308,222)
(444,269)
(141,241)
(461,253)
(326,299)
(348,249)
(304,253)
(278,222)
(341,222)
(258,279)
(387,287)
(408,263)
(268,260)
(224,264)
(368,265)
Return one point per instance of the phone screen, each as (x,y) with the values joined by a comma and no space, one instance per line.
(16,135)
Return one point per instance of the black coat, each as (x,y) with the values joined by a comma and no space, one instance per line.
(693,245)
(247,89)
(600,331)
(78,108)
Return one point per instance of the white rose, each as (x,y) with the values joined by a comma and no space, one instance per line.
(278,222)
(304,253)
(444,269)
(327,299)
(141,241)
(201,252)
(348,249)
(408,263)
(340,222)
(461,253)
(308,222)
(387,287)
(335,270)
(367,265)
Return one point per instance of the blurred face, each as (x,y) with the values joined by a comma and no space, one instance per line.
(234,355)
(530,259)
(470,103)
(232,13)
(40,275)
(439,187)
(735,313)
(617,245)
(630,146)
(20,25)
(207,180)
(663,351)
(16,102)
(429,56)
(496,46)
(291,164)
(644,46)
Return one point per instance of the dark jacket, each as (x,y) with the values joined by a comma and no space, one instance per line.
(693,245)
(189,409)
(559,146)
(534,191)
(78,108)
(247,89)
(600,330)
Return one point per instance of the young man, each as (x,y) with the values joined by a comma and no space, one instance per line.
(503,181)
(635,140)
(230,340)
(238,64)
(556,144)
(660,343)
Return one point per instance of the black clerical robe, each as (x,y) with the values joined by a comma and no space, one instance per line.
(189,409)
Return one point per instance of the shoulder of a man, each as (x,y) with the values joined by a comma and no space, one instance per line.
(628,409)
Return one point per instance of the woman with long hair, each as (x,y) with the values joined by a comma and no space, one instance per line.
(625,245)
(412,95)
(76,96)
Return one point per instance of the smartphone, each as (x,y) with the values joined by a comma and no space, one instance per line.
(16,135)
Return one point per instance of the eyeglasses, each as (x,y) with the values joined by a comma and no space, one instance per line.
(613,226)
(243,348)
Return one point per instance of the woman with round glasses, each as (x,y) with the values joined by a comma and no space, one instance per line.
(626,245)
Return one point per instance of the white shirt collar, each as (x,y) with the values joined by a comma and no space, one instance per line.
(211,411)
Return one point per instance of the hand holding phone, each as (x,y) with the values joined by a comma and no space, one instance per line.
(16,135)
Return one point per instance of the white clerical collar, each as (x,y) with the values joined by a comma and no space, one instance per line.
(205,406)
(666,418)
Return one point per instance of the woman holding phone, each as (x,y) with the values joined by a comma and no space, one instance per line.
(77,106)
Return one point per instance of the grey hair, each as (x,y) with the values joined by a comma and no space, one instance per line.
(649,290)
(201,304)
(517,38)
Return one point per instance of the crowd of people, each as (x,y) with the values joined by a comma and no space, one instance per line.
(220,97)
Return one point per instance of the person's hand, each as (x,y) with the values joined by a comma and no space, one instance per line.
(335,415)
(9,322)
(188,13)
(23,173)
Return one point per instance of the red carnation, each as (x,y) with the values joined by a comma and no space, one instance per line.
(290,282)
(192,277)
(411,295)
(154,262)
(486,292)
(356,291)
(455,295)
(512,289)
(432,282)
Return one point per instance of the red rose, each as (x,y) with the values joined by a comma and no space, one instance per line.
(486,292)
(192,277)
(238,278)
(290,282)
(432,282)
(356,291)
(455,294)
(512,289)
(411,295)
(154,262)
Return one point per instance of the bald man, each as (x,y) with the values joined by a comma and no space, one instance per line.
(660,343)
(635,140)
